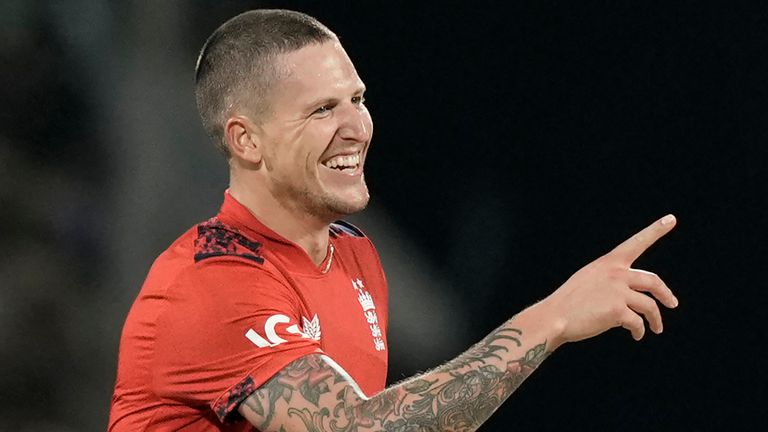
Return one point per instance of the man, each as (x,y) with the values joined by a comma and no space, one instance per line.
(271,315)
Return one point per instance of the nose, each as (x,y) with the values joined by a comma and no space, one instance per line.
(355,123)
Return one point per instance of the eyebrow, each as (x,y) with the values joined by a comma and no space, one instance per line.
(325,99)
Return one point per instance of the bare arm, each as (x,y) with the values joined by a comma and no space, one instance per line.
(315,394)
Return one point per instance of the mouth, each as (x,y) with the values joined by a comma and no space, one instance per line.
(347,163)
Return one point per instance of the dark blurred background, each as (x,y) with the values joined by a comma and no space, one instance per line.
(515,142)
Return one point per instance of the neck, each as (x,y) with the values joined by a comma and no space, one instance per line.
(303,229)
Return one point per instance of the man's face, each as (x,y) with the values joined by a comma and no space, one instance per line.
(317,135)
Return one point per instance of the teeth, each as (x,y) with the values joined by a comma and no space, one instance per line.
(343,161)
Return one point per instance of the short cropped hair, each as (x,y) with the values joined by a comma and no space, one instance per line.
(237,66)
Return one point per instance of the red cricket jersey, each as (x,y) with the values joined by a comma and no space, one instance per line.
(228,305)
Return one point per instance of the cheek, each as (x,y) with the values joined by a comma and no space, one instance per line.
(320,137)
(312,145)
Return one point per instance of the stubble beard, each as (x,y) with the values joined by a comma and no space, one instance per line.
(322,205)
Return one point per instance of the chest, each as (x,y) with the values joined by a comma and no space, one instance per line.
(346,310)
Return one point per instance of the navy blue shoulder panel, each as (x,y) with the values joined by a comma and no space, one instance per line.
(217,239)
(340,228)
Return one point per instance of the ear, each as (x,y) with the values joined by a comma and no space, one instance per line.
(242,141)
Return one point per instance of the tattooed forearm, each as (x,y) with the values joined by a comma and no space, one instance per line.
(458,396)
(477,383)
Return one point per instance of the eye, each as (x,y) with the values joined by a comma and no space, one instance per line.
(322,110)
(358,100)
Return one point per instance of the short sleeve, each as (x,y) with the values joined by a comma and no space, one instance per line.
(227,328)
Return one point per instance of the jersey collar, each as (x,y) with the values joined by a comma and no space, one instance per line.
(237,215)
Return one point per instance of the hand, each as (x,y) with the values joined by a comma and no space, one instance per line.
(609,293)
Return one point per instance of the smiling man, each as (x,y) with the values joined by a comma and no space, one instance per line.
(273,314)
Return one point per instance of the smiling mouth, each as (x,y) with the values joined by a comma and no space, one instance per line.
(344,163)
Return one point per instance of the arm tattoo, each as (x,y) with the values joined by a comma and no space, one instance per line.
(458,396)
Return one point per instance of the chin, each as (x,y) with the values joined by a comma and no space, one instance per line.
(338,206)
(348,207)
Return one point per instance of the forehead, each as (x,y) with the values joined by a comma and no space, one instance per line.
(317,70)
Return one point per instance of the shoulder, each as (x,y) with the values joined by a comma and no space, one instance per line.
(226,257)
(217,239)
(219,271)
(212,255)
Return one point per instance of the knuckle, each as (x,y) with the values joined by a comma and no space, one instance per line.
(604,261)
(617,273)
(649,303)
(638,322)
(655,312)
(652,310)
(618,311)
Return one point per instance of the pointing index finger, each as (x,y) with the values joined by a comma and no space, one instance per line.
(633,247)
